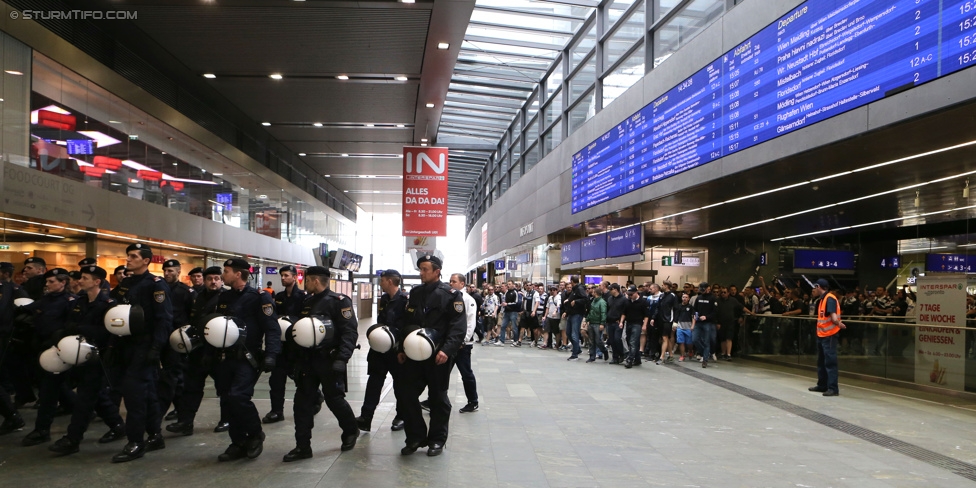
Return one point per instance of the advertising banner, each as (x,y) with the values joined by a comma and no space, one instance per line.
(424,191)
(940,347)
(422,244)
(484,238)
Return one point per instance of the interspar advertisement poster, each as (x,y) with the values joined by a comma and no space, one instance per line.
(940,342)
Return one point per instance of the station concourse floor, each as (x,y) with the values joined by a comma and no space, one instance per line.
(544,421)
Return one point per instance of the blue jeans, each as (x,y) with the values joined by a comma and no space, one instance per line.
(827,362)
(633,341)
(510,318)
(574,322)
(705,332)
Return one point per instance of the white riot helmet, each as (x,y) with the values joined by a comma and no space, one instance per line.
(312,331)
(381,338)
(51,362)
(284,323)
(22,302)
(74,350)
(181,341)
(125,320)
(420,344)
(223,332)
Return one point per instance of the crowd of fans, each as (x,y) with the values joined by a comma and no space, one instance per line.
(538,315)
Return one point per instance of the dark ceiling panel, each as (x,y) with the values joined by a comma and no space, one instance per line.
(315,100)
(298,137)
(293,41)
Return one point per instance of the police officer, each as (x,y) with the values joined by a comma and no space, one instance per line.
(238,368)
(84,263)
(199,360)
(9,291)
(196,279)
(34,269)
(463,358)
(324,365)
(135,358)
(389,312)
(287,303)
(433,304)
(119,274)
(170,384)
(50,317)
(87,319)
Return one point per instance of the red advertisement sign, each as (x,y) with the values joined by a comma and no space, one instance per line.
(424,191)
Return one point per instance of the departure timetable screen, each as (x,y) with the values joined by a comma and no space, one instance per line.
(821,59)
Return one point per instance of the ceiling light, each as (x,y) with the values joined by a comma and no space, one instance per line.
(114,122)
(376,191)
(218,174)
(400,78)
(400,126)
(430,105)
(326,176)
(301,154)
(345,155)
(342,77)
(13,72)
(423,140)
(443,45)
(317,124)
(424,144)
(262,196)
(370,125)
(175,164)
(407,1)
(266,124)
(275,76)
(209,76)
(345,191)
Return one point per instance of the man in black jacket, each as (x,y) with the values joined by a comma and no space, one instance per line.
(135,358)
(435,305)
(288,303)
(390,312)
(575,309)
(703,325)
(324,365)
(170,383)
(616,302)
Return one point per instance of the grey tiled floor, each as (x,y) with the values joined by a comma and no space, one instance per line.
(548,422)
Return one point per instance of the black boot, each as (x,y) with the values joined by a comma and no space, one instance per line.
(132,450)
(64,446)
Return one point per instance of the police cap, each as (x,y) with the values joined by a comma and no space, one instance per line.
(197,270)
(172,263)
(317,271)
(75,275)
(95,272)
(289,268)
(436,261)
(143,249)
(703,285)
(390,273)
(54,272)
(39,261)
(119,268)
(213,270)
(87,262)
(7,267)
(237,264)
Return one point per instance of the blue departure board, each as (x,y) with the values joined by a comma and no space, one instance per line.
(593,247)
(821,59)
(950,263)
(625,242)
(823,259)
(570,252)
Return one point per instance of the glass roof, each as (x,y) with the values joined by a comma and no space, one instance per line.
(508,47)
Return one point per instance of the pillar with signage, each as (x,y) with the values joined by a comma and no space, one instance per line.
(940,342)
(424,191)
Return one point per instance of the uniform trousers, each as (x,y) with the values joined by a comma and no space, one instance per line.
(235,379)
(136,380)
(377,366)
(277,383)
(53,388)
(92,396)
(194,381)
(415,376)
(316,373)
(171,378)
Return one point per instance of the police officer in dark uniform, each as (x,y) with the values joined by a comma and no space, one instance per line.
(435,305)
(238,368)
(390,312)
(199,360)
(34,269)
(170,384)
(50,317)
(135,358)
(9,291)
(288,303)
(84,263)
(87,319)
(119,274)
(324,365)
(196,279)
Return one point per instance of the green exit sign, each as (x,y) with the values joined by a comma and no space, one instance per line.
(4,247)
(666,260)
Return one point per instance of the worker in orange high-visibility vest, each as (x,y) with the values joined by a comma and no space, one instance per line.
(828,327)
